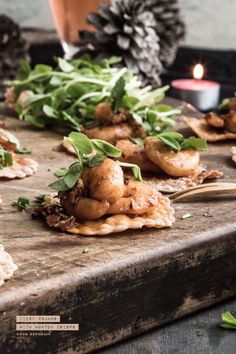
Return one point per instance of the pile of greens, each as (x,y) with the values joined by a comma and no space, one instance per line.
(90,153)
(68,95)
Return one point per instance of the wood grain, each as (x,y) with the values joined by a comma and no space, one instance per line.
(195,334)
(127,283)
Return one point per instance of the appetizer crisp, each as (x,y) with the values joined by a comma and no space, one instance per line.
(7,266)
(11,164)
(174,162)
(94,197)
(102,101)
(233,151)
(216,126)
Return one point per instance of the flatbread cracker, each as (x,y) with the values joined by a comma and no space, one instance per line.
(205,131)
(233,150)
(22,167)
(172,185)
(7,266)
(161,216)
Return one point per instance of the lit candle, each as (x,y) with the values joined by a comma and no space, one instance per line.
(203,94)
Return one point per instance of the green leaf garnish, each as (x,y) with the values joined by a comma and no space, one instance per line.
(174,135)
(73,174)
(59,185)
(194,143)
(22,204)
(135,169)
(40,198)
(6,158)
(117,94)
(96,160)
(138,141)
(24,150)
(42,68)
(186,216)
(81,143)
(177,142)
(90,153)
(61,172)
(65,65)
(106,148)
(170,142)
(50,112)
(69,179)
(228,320)
(107,62)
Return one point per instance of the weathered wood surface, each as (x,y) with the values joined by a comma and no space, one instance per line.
(127,283)
(196,334)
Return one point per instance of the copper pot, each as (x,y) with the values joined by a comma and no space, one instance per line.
(70,16)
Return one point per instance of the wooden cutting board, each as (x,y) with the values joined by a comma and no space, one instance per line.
(126,283)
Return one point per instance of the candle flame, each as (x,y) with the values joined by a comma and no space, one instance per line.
(198,71)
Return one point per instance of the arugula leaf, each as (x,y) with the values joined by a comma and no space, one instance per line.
(55,81)
(36,121)
(107,148)
(137,118)
(61,172)
(65,65)
(177,142)
(96,160)
(128,102)
(228,320)
(138,141)
(24,70)
(6,158)
(194,143)
(73,174)
(76,90)
(117,94)
(170,142)
(50,112)
(135,169)
(69,179)
(42,68)
(59,185)
(107,62)
(22,204)
(175,135)
(80,143)
(40,198)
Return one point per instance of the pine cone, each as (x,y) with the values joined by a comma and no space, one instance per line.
(13,48)
(144,32)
